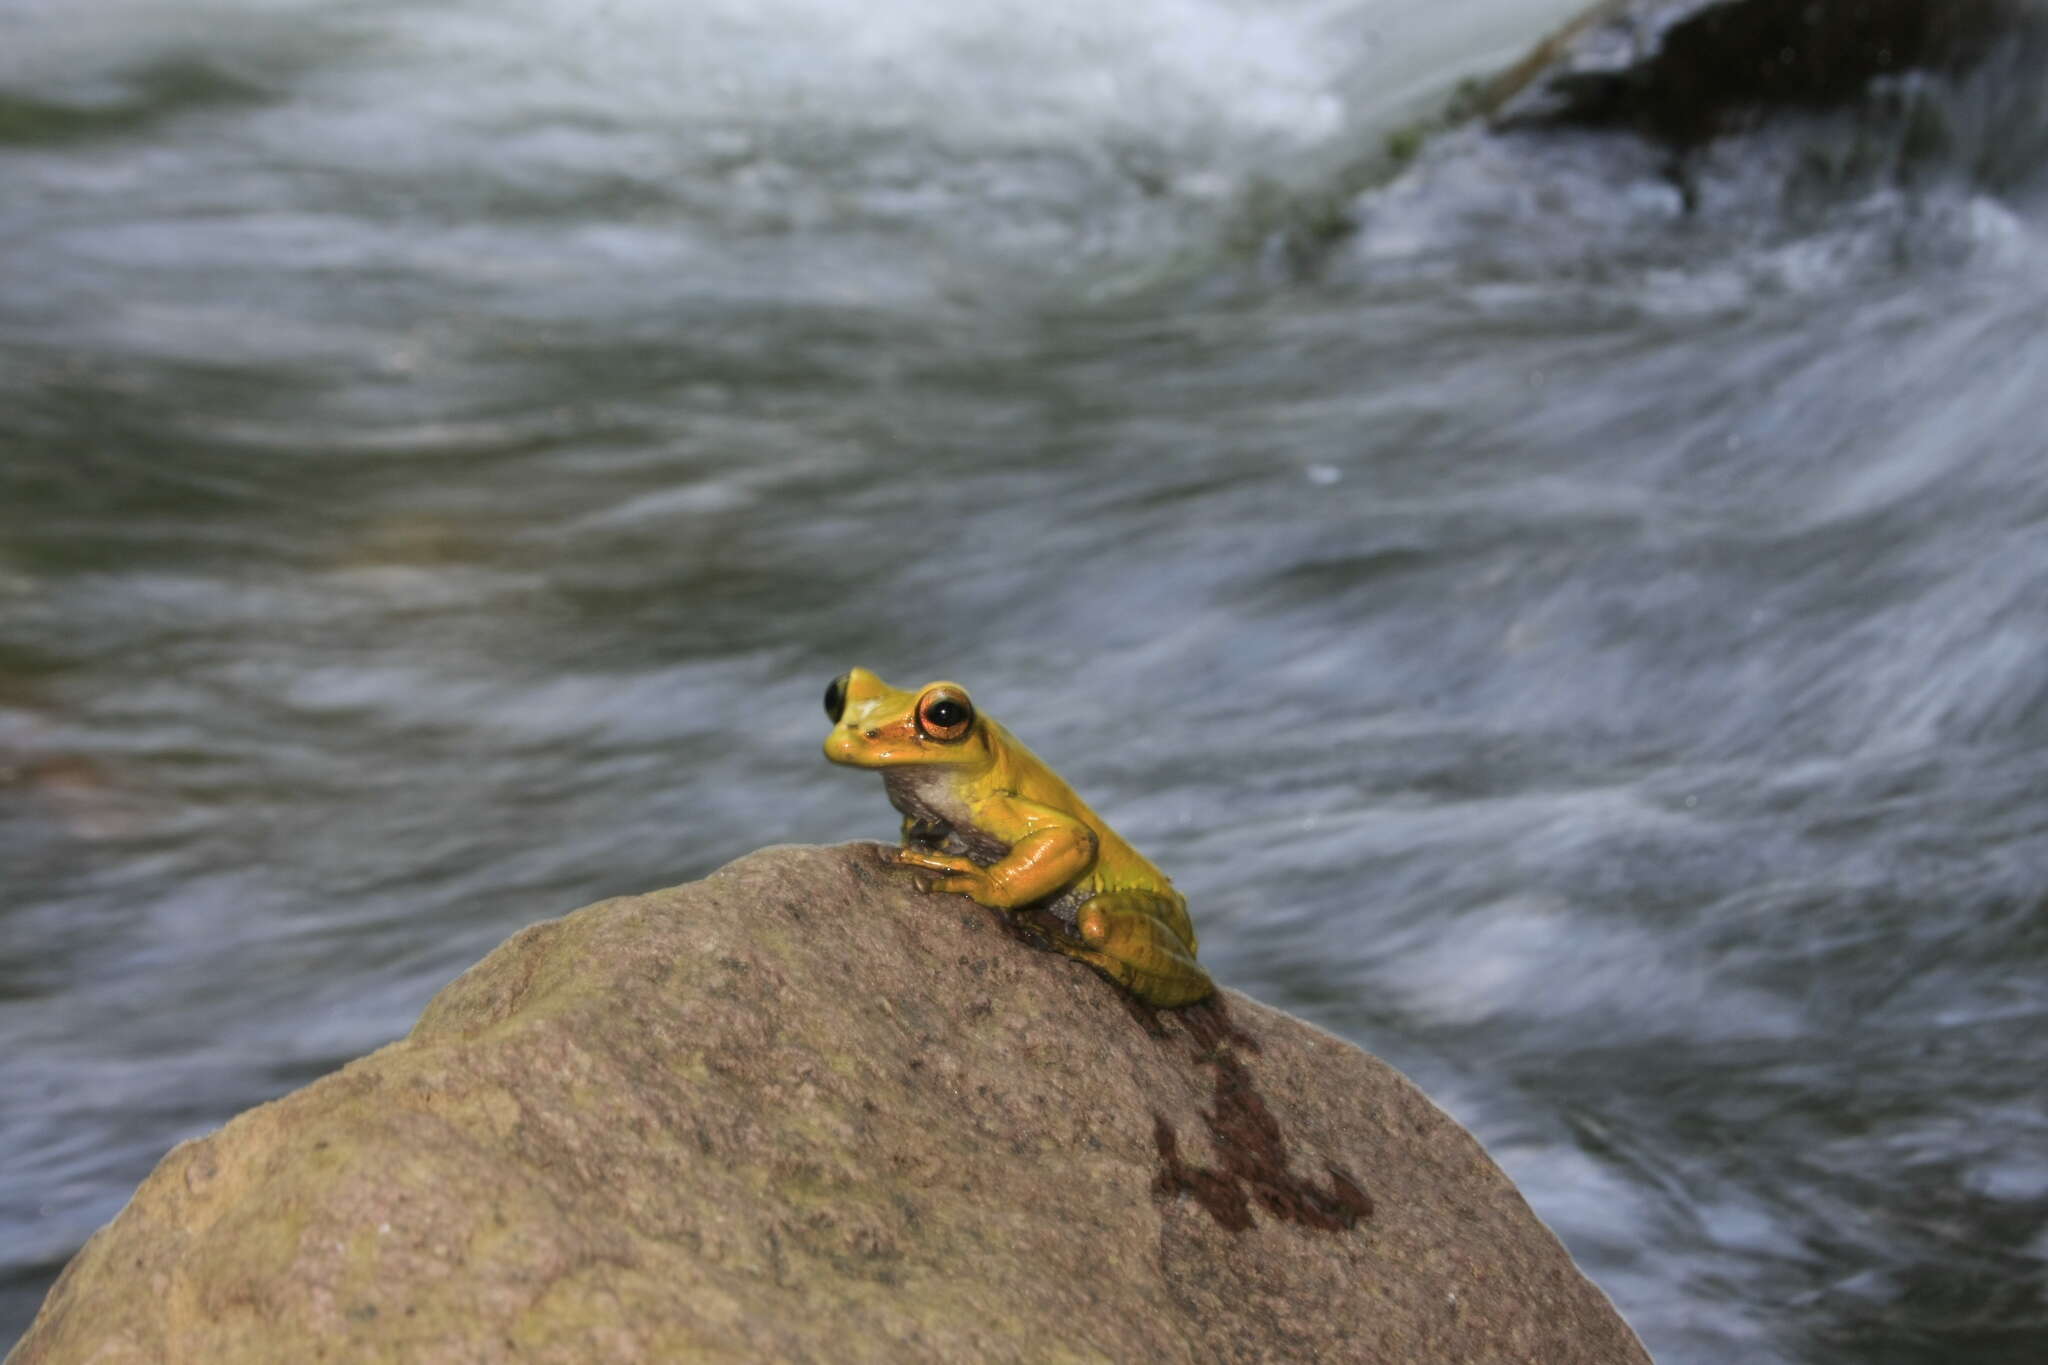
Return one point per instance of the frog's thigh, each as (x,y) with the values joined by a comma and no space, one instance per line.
(1129,936)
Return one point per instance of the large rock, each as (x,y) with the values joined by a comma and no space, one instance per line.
(802,1111)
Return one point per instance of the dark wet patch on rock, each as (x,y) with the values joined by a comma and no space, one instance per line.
(1241,1125)
(1250,1142)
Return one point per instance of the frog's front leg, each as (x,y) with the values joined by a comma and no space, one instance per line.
(1040,865)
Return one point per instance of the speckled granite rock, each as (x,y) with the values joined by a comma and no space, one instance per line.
(801,1111)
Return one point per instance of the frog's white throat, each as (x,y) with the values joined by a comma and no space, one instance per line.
(927,794)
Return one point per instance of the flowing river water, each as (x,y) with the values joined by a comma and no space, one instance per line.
(1578,630)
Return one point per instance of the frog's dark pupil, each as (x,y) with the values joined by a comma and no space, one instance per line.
(946,714)
(835,699)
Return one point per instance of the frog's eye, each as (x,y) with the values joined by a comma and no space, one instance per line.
(944,714)
(835,698)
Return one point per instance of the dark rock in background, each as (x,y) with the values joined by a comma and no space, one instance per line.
(1683,73)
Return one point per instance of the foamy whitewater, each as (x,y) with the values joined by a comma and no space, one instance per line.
(1573,629)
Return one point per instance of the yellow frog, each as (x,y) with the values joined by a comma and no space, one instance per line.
(1000,827)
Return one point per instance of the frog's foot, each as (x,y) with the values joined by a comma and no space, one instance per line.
(1127,936)
(1042,930)
(957,875)
(931,860)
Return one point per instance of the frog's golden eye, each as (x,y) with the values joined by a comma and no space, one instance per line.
(944,714)
(835,698)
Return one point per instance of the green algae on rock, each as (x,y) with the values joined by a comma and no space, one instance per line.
(802,1111)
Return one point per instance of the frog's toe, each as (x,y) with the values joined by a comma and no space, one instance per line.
(934,862)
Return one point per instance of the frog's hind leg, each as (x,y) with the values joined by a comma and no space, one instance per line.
(1129,936)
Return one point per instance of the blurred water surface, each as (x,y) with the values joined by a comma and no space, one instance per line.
(1588,652)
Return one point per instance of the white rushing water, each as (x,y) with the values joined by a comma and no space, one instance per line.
(805,150)
(1587,647)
